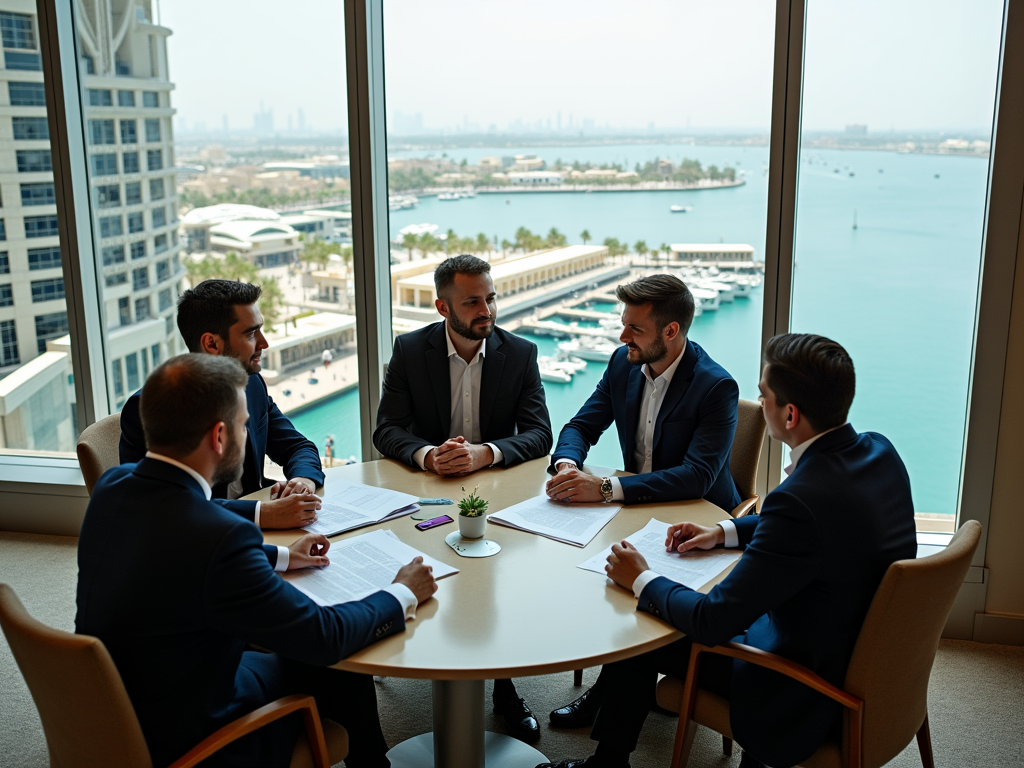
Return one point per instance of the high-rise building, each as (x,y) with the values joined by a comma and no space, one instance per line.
(130,156)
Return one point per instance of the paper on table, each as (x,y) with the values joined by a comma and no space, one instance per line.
(692,569)
(575,524)
(347,506)
(359,567)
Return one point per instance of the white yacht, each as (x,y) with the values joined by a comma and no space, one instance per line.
(445,196)
(681,208)
(725,292)
(708,298)
(589,348)
(557,362)
(552,374)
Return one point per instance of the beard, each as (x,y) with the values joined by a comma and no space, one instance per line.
(230,467)
(474,331)
(251,364)
(647,356)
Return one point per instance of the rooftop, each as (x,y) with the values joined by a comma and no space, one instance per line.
(215,214)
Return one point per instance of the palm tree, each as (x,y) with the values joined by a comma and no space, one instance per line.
(641,248)
(585,236)
(482,243)
(505,246)
(409,242)
(666,250)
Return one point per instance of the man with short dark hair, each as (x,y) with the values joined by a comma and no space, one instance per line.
(177,606)
(812,561)
(222,317)
(461,395)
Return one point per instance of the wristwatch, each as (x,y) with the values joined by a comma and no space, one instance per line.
(606,488)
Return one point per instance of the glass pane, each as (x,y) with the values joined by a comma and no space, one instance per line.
(572,171)
(190,184)
(37,395)
(890,216)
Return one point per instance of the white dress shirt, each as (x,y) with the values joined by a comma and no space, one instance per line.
(465,412)
(732,538)
(282,552)
(653,398)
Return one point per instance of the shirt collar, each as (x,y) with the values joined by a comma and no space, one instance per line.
(798,451)
(669,372)
(185,467)
(451,346)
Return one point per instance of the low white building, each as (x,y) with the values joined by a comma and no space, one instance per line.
(732,252)
(535,178)
(261,243)
(196,224)
(303,340)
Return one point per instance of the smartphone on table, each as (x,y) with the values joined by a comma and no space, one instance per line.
(426,525)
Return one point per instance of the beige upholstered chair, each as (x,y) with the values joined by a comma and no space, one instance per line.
(88,718)
(97,449)
(746,451)
(885,695)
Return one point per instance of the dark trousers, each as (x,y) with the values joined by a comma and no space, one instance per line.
(628,691)
(346,698)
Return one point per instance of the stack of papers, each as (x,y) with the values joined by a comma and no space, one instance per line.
(692,569)
(347,506)
(359,567)
(575,524)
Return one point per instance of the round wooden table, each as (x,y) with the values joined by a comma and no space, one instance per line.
(526,611)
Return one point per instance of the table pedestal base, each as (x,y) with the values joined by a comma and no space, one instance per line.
(459,739)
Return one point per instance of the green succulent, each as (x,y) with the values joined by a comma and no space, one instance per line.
(472,505)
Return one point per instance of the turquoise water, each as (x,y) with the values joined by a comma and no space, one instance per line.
(899,291)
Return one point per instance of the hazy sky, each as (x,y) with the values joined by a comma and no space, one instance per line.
(907,64)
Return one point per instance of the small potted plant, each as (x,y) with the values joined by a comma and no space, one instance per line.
(472,515)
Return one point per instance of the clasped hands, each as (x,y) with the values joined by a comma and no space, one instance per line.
(570,484)
(456,457)
(625,562)
(292,504)
(310,551)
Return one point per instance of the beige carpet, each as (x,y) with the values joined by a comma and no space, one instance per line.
(976,696)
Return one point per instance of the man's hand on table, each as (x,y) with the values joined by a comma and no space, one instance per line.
(457,457)
(625,563)
(419,578)
(293,511)
(572,485)
(308,552)
(682,537)
(280,490)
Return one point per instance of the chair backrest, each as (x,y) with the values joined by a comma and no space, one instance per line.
(746,447)
(893,657)
(97,449)
(86,713)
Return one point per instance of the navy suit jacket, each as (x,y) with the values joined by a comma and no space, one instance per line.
(692,436)
(811,564)
(416,402)
(176,606)
(270,434)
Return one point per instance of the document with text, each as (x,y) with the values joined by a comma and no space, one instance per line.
(359,567)
(347,506)
(575,524)
(692,569)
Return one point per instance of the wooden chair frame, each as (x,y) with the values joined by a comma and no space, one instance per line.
(255,720)
(853,705)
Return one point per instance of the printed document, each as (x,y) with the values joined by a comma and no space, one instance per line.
(359,567)
(347,506)
(575,524)
(692,569)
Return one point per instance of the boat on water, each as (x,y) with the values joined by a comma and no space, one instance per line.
(402,202)
(725,291)
(589,348)
(445,196)
(709,301)
(552,374)
(553,362)
(681,208)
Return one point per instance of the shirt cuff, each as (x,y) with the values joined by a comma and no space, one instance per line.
(282,559)
(732,537)
(556,462)
(499,457)
(616,489)
(256,515)
(642,581)
(405,598)
(421,454)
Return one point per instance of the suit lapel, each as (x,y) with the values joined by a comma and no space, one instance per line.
(439,374)
(680,384)
(490,381)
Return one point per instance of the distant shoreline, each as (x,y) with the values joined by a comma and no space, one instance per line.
(643,186)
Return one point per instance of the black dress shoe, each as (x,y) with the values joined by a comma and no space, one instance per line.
(519,719)
(580,713)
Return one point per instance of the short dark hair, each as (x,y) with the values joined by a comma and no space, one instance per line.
(184,397)
(210,308)
(813,373)
(670,299)
(463,264)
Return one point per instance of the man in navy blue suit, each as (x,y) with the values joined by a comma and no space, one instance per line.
(674,409)
(222,317)
(812,561)
(176,606)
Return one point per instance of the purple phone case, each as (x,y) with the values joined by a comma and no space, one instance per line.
(426,525)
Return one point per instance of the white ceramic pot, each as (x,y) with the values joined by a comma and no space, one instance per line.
(472,527)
